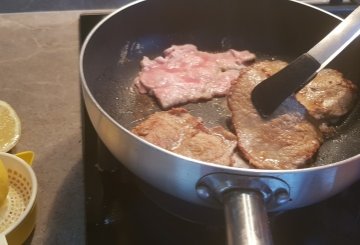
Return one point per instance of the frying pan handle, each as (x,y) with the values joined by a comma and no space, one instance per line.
(246,200)
(246,218)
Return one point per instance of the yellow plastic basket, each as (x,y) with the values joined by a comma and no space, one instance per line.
(18,213)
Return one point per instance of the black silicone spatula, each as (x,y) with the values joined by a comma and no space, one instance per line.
(270,93)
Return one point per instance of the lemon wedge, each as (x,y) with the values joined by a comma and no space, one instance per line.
(10,127)
(4,183)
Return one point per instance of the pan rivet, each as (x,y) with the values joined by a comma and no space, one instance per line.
(281,196)
(203,192)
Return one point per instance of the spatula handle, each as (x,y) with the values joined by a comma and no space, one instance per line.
(340,37)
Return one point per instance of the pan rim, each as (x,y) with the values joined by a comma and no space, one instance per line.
(219,167)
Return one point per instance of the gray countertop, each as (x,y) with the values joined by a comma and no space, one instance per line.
(40,79)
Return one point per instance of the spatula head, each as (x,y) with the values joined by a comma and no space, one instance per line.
(270,93)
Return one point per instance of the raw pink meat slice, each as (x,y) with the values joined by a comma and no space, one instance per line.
(186,74)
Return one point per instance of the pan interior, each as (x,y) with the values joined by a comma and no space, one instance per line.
(279,29)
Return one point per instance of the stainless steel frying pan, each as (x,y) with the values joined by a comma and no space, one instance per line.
(282,29)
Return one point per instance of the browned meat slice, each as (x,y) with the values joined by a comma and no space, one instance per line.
(178,131)
(185,74)
(329,95)
(286,140)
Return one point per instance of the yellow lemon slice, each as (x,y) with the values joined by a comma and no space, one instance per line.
(4,183)
(10,127)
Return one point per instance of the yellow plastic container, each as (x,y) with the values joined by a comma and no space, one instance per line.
(18,214)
